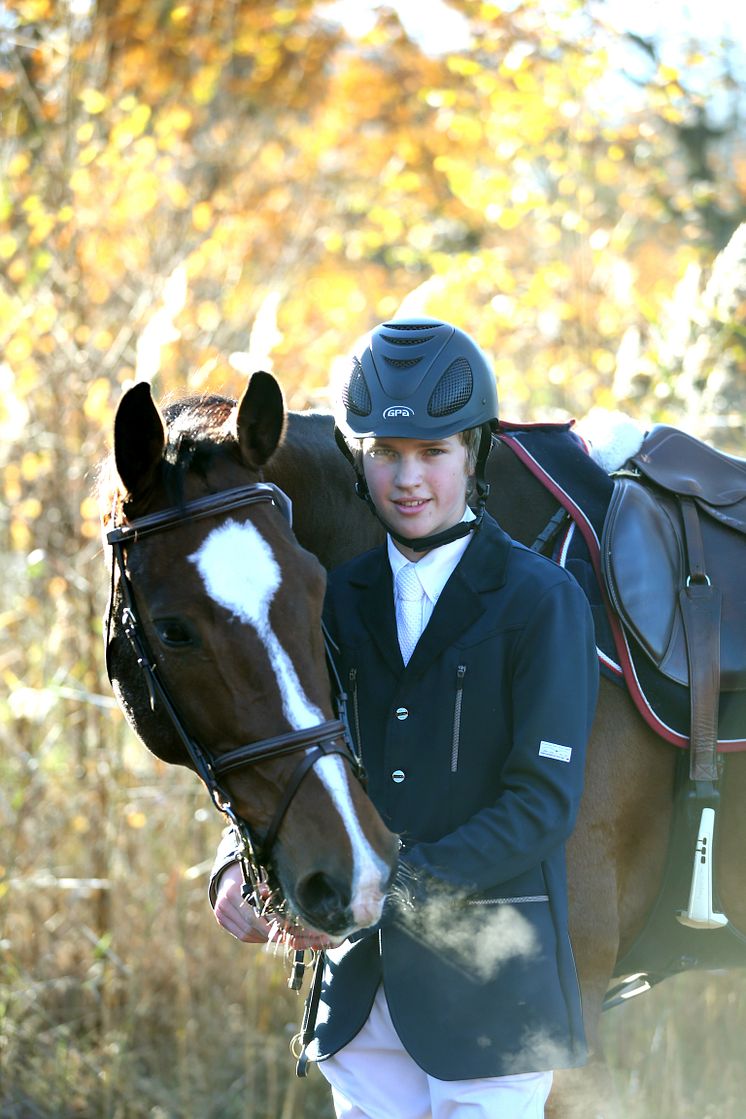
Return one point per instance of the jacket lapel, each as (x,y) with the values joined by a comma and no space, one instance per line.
(377,611)
(461,604)
(481,568)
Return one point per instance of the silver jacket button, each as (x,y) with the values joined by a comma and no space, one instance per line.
(398,776)
(401,713)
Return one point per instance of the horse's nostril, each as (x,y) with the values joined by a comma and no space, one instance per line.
(323,898)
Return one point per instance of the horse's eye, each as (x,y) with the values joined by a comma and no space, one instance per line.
(174,632)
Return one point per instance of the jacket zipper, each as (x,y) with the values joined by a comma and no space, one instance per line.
(355,708)
(456,737)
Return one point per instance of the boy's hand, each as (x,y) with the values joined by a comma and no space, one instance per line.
(238,917)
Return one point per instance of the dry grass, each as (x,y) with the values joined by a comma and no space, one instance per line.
(119,996)
(678,1052)
(121,999)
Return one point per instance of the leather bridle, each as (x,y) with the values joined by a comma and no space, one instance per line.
(331,737)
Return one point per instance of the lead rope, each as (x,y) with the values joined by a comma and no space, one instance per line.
(301,1041)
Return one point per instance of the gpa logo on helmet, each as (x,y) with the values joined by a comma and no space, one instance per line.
(398,412)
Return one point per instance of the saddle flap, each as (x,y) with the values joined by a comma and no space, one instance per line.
(678,462)
(644,567)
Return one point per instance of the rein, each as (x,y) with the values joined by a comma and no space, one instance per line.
(330,737)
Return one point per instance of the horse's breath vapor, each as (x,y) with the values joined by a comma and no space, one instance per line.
(478,940)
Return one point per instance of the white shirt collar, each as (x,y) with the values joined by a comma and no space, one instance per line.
(436,566)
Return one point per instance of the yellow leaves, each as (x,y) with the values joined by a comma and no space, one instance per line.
(202,216)
(94,101)
(33,466)
(439,98)
(89,511)
(176,119)
(284,16)
(8,246)
(463,66)
(18,348)
(18,164)
(208,316)
(133,125)
(44,318)
(97,402)
(204,84)
(177,194)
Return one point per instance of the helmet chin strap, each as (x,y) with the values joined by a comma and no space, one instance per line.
(425,543)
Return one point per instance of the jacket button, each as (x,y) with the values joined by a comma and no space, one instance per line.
(401,713)
(398,776)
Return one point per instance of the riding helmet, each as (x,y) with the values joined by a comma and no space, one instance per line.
(417,378)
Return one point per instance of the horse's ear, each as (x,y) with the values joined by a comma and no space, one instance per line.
(139,438)
(261,419)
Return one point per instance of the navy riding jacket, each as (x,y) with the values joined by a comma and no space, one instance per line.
(475,755)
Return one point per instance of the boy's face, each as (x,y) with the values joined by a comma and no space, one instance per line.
(418,486)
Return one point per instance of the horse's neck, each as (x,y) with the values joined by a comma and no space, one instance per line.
(517,501)
(329,519)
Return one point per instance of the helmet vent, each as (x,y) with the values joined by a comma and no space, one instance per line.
(355,394)
(407,341)
(453,390)
(403,363)
(408,326)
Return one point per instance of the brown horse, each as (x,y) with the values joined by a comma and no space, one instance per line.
(617,853)
(215,651)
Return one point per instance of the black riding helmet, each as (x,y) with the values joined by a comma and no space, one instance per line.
(419,379)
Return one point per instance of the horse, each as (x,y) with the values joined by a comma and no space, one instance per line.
(617,853)
(214,649)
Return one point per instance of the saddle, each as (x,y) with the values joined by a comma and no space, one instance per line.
(673,554)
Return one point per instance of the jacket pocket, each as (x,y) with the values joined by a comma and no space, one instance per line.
(352,681)
(508,901)
(456,735)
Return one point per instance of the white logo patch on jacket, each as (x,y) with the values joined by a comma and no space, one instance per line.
(555,751)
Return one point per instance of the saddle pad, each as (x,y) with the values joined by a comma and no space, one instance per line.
(555,457)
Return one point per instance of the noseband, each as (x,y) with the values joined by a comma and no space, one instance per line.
(331,737)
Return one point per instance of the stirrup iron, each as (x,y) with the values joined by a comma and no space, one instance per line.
(699,913)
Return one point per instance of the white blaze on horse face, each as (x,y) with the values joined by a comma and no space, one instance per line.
(240,573)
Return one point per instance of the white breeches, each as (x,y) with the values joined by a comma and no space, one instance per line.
(373,1077)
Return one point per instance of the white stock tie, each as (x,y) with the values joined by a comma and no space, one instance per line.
(409,610)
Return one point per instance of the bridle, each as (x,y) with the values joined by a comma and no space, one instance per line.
(330,737)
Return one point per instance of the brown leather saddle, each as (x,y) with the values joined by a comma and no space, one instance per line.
(673,554)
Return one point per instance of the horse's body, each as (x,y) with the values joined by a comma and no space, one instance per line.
(617,853)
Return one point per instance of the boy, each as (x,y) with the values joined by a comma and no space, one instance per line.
(471,671)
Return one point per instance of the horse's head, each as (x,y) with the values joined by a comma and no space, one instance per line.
(214,593)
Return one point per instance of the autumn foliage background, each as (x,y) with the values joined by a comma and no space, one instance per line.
(188,192)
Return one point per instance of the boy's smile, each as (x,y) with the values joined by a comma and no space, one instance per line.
(418,486)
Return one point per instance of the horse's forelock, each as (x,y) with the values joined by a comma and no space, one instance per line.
(198,433)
